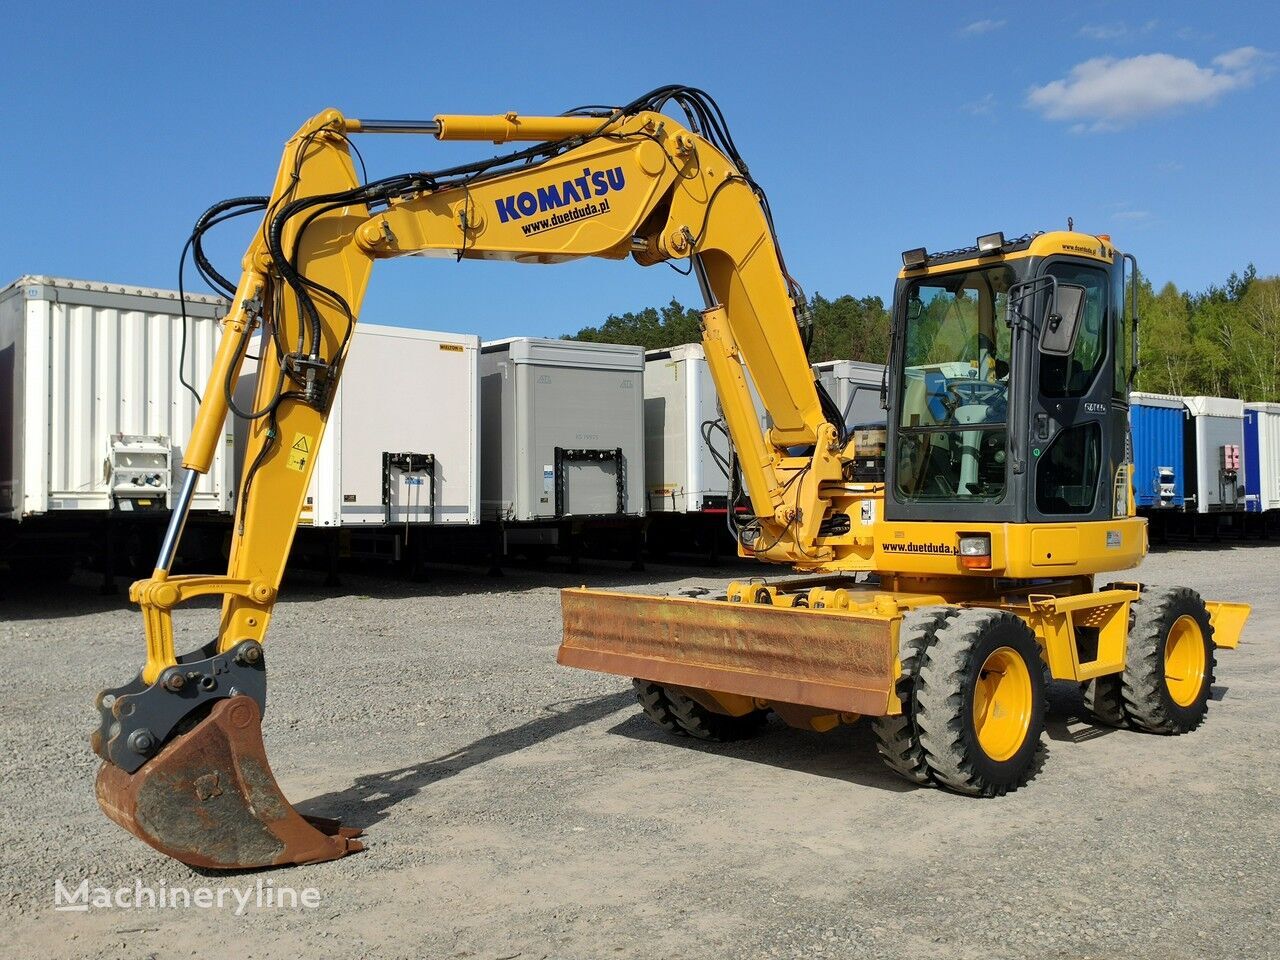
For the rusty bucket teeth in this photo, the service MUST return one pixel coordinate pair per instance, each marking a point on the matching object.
(210, 800)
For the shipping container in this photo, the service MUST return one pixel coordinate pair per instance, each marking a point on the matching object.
(562, 430)
(1262, 457)
(1156, 424)
(855, 387)
(93, 414)
(402, 441)
(685, 454)
(1214, 444)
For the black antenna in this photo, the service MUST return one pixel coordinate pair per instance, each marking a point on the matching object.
(1071, 224)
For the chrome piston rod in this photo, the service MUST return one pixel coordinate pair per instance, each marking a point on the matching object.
(178, 520)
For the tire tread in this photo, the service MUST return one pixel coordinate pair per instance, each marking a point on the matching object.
(941, 695)
(1146, 701)
(898, 736)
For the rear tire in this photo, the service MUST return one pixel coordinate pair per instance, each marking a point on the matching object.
(1169, 661)
(898, 737)
(653, 701)
(980, 702)
(697, 721)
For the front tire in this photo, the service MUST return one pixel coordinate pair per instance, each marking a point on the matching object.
(898, 737)
(980, 702)
(1104, 700)
(1169, 661)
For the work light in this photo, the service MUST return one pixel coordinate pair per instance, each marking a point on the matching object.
(975, 551)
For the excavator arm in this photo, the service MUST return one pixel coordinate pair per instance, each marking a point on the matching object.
(184, 767)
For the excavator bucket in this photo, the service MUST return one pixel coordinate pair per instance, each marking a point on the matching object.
(209, 799)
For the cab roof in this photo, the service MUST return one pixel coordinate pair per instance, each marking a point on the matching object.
(1061, 242)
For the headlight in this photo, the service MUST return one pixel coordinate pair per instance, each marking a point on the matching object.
(975, 551)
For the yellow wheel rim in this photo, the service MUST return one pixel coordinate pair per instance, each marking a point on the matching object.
(1002, 704)
(1184, 661)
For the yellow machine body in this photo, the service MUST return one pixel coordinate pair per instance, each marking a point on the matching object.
(634, 183)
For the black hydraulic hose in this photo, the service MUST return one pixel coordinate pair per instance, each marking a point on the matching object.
(241, 346)
(832, 413)
(206, 221)
(210, 218)
(368, 194)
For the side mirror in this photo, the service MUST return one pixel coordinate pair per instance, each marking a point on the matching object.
(1062, 322)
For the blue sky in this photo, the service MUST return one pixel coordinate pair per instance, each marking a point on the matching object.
(874, 127)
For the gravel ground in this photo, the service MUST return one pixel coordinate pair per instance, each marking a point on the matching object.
(518, 809)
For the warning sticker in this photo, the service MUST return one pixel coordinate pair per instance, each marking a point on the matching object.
(300, 452)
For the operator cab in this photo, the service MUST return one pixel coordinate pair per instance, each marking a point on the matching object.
(1009, 378)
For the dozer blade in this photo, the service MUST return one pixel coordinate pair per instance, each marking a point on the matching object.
(832, 659)
(210, 800)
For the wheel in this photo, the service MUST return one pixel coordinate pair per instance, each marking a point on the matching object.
(1169, 661)
(980, 702)
(898, 737)
(1104, 700)
(656, 706)
(705, 724)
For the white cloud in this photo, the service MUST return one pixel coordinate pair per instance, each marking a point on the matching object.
(979, 27)
(1106, 93)
(1190, 33)
(983, 107)
(1132, 216)
(1103, 31)
(1240, 60)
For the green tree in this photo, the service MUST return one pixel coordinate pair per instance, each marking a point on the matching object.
(652, 328)
(1166, 355)
(849, 328)
(1258, 365)
(1223, 341)
(846, 328)
(1220, 336)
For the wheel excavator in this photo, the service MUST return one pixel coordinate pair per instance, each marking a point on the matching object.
(943, 570)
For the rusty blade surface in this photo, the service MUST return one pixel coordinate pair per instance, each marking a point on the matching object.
(831, 659)
(210, 800)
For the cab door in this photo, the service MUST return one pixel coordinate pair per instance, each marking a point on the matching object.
(1077, 419)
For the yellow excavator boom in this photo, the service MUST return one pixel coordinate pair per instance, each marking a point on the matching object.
(634, 182)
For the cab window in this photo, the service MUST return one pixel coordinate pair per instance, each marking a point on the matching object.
(954, 391)
(1073, 376)
(1120, 340)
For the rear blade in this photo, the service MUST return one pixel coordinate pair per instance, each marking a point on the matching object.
(210, 800)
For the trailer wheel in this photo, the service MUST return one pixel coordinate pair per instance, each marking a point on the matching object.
(1169, 661)
(653, 701)
(1104, 700)
(980, 702)
(898, 737)
(704, 724)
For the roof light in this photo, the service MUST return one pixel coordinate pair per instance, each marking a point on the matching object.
(975, 552)
(915, 257)
(991, 242)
